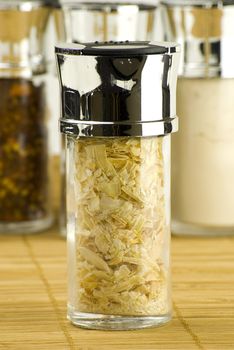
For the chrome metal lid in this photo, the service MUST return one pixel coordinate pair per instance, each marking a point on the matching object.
(118, 88)
(205, 31)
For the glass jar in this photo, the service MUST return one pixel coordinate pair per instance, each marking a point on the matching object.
(24, 158)
(89, 22)
(117, 121)
(202, 152)
(56, 33)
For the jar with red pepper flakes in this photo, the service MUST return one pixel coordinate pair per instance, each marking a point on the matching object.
(24, 152)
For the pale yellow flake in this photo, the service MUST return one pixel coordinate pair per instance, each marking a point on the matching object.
(132, 194)
(102, 161)
(111, 188)
(121, 226)
(94, 259)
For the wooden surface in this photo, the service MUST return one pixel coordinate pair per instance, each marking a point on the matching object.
(33, 298)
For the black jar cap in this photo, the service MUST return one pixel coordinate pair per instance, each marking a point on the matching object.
(117, 48)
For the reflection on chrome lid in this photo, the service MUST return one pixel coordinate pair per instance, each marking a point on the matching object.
(118, 88)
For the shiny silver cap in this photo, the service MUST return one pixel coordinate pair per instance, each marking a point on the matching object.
(205, 31)
(118, 88)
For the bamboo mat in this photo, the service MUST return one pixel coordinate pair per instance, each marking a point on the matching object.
(33, 298)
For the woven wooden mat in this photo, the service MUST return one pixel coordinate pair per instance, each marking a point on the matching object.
(33, 298)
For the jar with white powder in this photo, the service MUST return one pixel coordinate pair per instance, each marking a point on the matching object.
(203, 150)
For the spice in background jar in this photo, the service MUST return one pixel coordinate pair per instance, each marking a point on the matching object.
(23, 151)
(203, 154)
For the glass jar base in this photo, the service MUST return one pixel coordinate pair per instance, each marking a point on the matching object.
(184, 229)
(114, 322)
(26, 227)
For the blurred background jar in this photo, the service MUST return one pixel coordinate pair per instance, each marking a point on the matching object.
(203, 150)
(103, 21)
(24, 113)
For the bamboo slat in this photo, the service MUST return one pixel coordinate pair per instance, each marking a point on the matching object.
(33, 298)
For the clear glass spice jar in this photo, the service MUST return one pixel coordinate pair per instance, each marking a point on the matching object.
(91, 21)
(118, 110)
(202, 153)
(24, 158)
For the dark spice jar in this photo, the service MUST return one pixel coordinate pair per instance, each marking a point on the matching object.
(24, 147)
